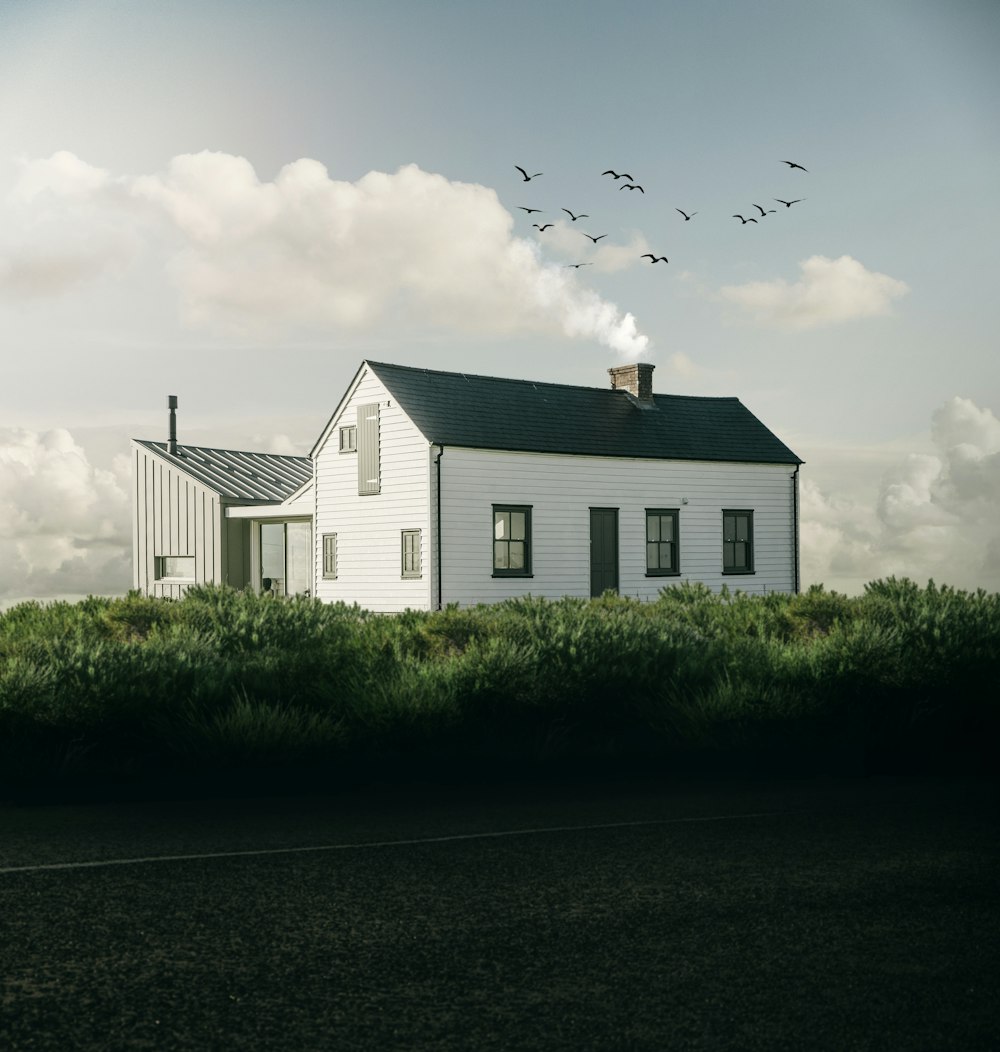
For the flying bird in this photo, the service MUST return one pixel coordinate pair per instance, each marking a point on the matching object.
(763, 211)
(745, 221)
(788, 204)
(632, 186)
(528, 210)
(582, 215)
(542, 229)
(527, 177)
(594, 239)
(578, 264)
(655, 259)
(683, 213)
(792, 164)
(624, 175)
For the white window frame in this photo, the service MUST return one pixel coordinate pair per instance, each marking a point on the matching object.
(415, 569)
(162, 575)
(329, 556)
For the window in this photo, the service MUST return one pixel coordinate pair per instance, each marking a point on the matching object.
(329, 555)
(511, 540)
(175, 567)
(411, 553)
(349, 439)
(737, 542)
(662, 542)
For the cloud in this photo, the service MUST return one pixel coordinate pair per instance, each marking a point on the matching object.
(934, 516)
(63, 174)
(62, 226)
(829, 291)
(389, 250)
(65, 526)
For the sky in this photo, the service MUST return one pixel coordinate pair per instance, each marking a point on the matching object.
(238, 202)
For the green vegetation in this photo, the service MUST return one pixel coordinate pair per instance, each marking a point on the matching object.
(224, 681)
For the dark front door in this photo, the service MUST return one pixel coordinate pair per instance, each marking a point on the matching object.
(603, 550)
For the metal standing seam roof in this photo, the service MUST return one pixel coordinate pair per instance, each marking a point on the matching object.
(487, 412)
(238, 475)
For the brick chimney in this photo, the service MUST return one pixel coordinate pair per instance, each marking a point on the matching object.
(636, 378)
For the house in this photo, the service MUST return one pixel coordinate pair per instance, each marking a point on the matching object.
(186, 527)
(427, 488)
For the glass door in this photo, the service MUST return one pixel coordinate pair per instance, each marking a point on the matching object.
(298, 558)
(272, 558)
(285, 558)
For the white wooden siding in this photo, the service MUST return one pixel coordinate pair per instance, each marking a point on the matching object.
(369, 528)
(562, 489)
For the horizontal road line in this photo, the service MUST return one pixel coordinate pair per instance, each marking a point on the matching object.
(362, 845)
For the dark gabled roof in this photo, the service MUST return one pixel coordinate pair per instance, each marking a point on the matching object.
(237, 475)
(487, 412)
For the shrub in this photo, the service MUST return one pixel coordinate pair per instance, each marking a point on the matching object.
(224, 678)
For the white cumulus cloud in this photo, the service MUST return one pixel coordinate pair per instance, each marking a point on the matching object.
(829, 291)
(935, 515)
(65, 525)
(388, 250)
(61, 225)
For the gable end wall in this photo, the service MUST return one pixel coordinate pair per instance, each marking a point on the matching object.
(173, 515)
(369, 528)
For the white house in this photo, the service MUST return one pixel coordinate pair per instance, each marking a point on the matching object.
(428, 488)
(186, 527)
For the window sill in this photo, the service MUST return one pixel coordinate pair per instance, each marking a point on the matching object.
(505, 576)
(738, 573)
(663, 573)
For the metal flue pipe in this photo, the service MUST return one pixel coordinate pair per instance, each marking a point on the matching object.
(172, 440)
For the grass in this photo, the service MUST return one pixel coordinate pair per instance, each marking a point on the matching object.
(225, 681)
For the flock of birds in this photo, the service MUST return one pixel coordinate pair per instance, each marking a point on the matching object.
(632, 185)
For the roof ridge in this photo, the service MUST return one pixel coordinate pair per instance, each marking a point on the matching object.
(539, 383)
(222, 449)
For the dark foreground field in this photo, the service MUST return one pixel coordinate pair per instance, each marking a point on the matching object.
(803, 914)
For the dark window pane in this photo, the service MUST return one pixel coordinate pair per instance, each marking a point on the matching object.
(500, 555)
(517, 555)
(652, 556)
(501, 525)
(652, 527)
(742, 528)
(517, 526)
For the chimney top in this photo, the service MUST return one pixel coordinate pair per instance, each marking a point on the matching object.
(636, 378)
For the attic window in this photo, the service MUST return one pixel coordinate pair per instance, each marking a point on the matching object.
(349, 439)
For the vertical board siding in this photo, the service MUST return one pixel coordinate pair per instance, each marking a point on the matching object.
(367, 451)
(174, 515)
(369, 527)
(561, 491)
